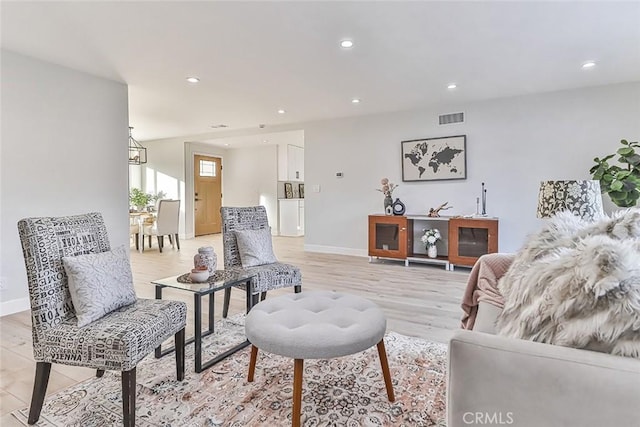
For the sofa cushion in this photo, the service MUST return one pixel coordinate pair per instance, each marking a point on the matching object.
(577, 284)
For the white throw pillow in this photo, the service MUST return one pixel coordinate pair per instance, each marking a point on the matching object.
(99, 283)
(255, 247)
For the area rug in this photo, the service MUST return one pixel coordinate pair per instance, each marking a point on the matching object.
(347, 391)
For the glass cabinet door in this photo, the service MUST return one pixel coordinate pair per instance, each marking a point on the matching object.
(470, 238)
(473, 242)
(387, 237)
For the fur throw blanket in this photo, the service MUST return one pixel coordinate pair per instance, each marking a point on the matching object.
(577, 284)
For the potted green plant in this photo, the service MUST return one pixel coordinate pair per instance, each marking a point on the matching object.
(622, 183)
(139, 199)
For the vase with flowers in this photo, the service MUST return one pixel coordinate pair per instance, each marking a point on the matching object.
(429, 238)
(387, 189)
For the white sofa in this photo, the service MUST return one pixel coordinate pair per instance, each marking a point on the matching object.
(498, 381)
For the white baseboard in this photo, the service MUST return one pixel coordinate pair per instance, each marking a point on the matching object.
(336, 250)
(14, 306)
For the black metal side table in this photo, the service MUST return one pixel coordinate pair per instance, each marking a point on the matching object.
(220, 280)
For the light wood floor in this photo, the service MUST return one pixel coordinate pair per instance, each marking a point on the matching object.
(419, 300)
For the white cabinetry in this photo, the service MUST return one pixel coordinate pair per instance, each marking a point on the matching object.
(291, 217)
(295, 163)
(290, 163)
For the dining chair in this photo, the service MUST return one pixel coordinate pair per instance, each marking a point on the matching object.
(266, 276)
(166, 224)
(134, 230)
(116, 341)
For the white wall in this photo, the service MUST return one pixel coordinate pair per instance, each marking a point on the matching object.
(164, 171)
(250, 179)
(249, 175)
(512, 144)
(64, 152)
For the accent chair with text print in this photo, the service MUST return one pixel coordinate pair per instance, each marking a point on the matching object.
(246, 240)
(116, 340)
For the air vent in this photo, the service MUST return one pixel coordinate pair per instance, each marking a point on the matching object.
(447, 119)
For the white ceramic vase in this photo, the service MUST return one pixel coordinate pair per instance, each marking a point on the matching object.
(206, 257)
(432, 251)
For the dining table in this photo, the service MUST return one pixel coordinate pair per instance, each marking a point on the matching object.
(142, 219)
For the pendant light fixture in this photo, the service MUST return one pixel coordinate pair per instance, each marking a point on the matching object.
(137, 153)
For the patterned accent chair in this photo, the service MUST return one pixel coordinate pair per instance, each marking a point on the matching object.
(117, 341)
(266, 277)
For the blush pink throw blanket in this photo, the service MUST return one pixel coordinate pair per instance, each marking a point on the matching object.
(483, 285)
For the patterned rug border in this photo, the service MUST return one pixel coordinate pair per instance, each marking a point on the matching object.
(347, 391)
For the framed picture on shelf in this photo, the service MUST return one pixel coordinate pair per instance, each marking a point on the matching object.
(288, 190)
(301, 190)
(433, 159)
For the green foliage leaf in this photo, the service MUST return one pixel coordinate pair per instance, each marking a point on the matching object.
(625, 151)
(633, 160)
(616, 186)
(621, 181)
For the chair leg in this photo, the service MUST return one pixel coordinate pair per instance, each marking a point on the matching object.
(225, 306)
(129, 398)
(263, 296)
(297, 289)
(382, 353)
(99, 373)
(179, 343)
(177, 241)
(149, 241)
(160, 243)
(170, 240)
(43, 370)
(297, 392)
(138, 241)
(252, 363)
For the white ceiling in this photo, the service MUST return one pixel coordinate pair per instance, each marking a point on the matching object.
(256, 57)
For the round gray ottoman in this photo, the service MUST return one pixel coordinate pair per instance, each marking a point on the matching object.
(316, 325)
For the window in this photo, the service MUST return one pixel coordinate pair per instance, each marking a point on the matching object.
(207, 168)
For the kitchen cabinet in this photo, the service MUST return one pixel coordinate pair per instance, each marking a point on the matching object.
(290, 163)
(291, 217)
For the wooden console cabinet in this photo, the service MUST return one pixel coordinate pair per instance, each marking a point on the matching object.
(464, 240)
(470, 238)
(389, 236)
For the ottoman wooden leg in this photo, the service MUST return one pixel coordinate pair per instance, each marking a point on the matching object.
(382, 353)
(252, 362)
(297, 392)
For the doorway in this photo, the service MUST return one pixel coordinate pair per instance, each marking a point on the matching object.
(207, 187)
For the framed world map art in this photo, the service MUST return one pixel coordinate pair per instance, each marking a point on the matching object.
(433, 159)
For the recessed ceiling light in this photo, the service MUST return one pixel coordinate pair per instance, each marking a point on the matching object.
(264, 141)
(193, 79)
(226, 145)
(281, 111)
(218, 126)
(355, 101)
(452, 86)
(346, 44)
(589, 64)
